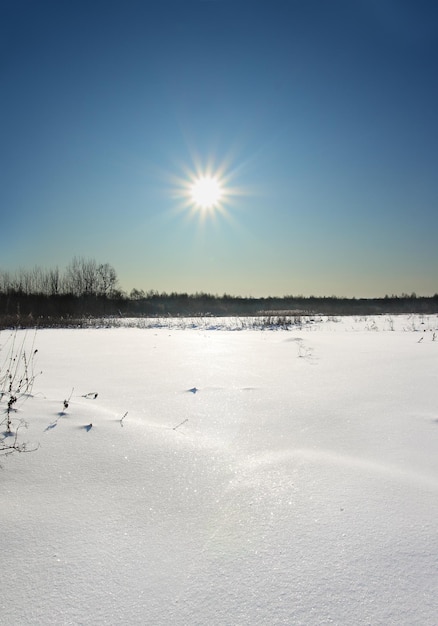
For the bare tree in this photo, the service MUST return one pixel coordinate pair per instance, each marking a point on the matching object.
(74, 279)
(5, 282)
(54, 281)
(86, 277)
(107, 279)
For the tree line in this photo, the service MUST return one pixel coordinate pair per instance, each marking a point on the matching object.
(82, 277)
(88, 289)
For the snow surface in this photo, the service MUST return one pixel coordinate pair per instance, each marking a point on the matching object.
(226, 478)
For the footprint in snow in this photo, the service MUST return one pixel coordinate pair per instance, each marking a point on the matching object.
(86, 427)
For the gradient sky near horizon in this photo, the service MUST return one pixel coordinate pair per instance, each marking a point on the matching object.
(320, 117)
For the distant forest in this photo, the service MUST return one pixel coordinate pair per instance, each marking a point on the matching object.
(87, 289)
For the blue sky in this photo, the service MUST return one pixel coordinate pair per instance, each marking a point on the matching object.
(319, 116)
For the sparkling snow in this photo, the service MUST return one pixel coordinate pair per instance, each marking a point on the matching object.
(226, 478)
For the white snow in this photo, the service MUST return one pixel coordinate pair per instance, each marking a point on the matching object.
(258, 477)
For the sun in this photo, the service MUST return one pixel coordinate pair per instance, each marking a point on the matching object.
(206, 192)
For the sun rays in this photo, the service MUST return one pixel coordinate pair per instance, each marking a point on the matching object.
(208, 189)
(205, 192)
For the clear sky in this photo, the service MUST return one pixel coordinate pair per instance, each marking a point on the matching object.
(319, 118)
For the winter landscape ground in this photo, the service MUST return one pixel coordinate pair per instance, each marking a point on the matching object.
(224, 476)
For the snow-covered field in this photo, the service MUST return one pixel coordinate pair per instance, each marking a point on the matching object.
(226, 478)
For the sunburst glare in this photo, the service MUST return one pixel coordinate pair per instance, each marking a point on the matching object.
(206, 192)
